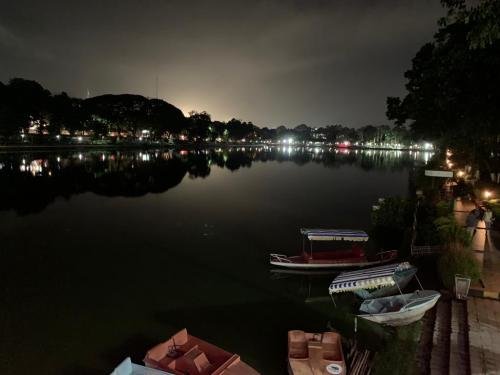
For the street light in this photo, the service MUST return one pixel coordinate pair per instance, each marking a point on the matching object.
(487, 194)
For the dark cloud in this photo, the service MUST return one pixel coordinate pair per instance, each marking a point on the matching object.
(272, 62)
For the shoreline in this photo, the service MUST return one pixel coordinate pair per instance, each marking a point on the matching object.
(49, 147)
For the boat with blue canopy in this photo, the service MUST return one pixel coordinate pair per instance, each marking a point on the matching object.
(350, 254)
(377, 281)
(394, 310)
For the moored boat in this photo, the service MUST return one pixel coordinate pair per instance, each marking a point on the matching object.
(127, 367)
(400, 309)
(184, 354)
(395, 310)
(352, 256)
(386, 280)
(315, 353)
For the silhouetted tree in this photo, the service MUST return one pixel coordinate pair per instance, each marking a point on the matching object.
(24, 103)
(198, 124)
(454, 86)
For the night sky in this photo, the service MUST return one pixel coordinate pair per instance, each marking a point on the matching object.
(275, 63)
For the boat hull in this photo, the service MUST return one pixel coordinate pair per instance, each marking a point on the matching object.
(406, 315)
(299, 263)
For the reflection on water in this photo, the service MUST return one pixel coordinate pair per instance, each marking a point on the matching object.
(133, 174)
(104, 254)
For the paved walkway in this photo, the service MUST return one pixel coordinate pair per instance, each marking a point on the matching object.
(484, 335)
(483, 314)
(485, 252)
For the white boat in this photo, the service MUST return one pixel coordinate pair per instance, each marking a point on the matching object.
(127, 367)
(352, 256)
(400, 309)
(393, 310)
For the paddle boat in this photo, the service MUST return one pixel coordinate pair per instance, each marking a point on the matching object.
(315, 353)
(396, 310)
(401, 273)
(184, 354)
(351, 257)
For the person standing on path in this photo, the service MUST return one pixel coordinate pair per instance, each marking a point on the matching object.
(488, 217)
(471, 222)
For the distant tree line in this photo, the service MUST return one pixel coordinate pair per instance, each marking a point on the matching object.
(26, 107)
(30, 113)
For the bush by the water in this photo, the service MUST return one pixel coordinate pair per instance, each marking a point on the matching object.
(444, 208)
(457, 262)
(397, 357)
(452, 235)
(391, 221)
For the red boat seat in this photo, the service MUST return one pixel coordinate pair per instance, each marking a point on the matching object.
(297, 344)
(332, 346)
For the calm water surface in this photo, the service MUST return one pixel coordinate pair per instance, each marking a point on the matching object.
(104, 254)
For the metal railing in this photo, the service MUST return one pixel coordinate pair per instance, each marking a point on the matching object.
(279, 258)
(419, 250)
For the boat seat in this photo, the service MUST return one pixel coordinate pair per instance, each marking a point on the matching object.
(331, 346)
(297, 344)
(393, 308)
(160, 351)
(194, 362)
(181, 337)
(372, 307)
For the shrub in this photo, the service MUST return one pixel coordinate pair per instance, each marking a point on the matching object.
(397, 357)
(427, 233)
(457, 261)
(452, 235)
(444, 208)
(391, 221)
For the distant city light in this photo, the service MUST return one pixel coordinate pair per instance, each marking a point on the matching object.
(80, 139)
(428, 146)
(460, 173)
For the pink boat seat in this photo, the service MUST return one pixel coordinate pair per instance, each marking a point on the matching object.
(194, 362)
(331, 346)
(297, 344)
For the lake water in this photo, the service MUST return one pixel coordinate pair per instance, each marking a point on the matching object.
(105, 253)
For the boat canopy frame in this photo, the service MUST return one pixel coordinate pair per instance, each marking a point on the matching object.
(369, 279)
(313, 235)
